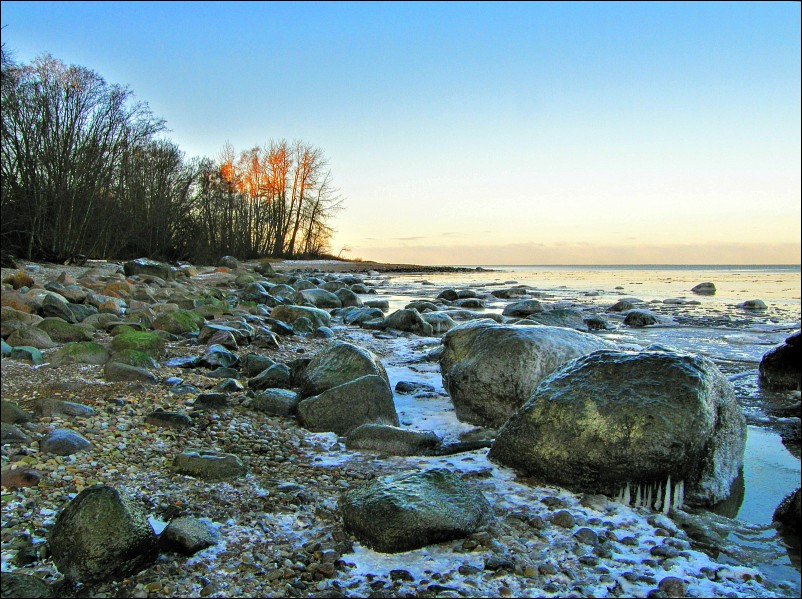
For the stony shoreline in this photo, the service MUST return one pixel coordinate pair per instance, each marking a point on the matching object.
(280, 531)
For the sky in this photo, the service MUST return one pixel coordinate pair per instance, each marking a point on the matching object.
(483, 133)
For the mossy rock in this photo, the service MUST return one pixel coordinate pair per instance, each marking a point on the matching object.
(82, 352)
(179, 322)
(64, 332)
(150, 343)
(133, 357)
(211, 307)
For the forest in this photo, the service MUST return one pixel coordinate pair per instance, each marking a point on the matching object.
(88, 172)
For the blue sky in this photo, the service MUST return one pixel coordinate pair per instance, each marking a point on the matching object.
(484, 132)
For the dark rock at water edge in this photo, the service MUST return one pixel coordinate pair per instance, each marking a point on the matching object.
(789, 512)
(16, 584)
(337, 364)
(102, 535)
(410, 510)
(781, 367)
(393, 440)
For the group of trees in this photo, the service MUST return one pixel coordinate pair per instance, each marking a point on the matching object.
(86, 171)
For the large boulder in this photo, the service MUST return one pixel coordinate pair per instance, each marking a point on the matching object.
(337, 364)
(704, 289)
(102, 535)
(523, 308)
(414, 509)
(490, 370)
(320, 298)
(614, 420)
(345, 407)
(289, 314)
(781, 367)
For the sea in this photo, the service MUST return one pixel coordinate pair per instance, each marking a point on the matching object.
(716, 326)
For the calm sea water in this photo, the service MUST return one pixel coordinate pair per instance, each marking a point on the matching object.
(714, 326)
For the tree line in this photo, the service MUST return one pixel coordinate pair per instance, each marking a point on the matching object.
(87, 172)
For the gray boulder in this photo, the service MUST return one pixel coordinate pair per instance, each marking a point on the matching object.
(622, 305)
(754, 305)
(348, 298)
(19, 586)
(276, 402)
(640, 318)
(102, 535)
(523, 308)
(276, 376)
(439, 321)
(781, 367)
(145, 266)
(612, 420)
(289, 314)
(49, 406)
(490, 370)
(393, 440)
(337, 364)
(187, 535)
(320, 298)
(343, 408)
(63, 441)
(209, 465)
(560, 317)
(411, 510)
(410, 321)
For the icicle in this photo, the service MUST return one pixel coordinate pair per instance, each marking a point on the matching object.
(626, 495)
(667, 500)
(658, 503)
(679, 495)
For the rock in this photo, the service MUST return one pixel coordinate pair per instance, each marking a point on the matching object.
(10, 434)
(302, 325)
(357, 316)
(252, 364)
(439, 321)
(58, 308)
(754, 305)
(641, 318)
(448, 295)
(30, 337)
(290, 314)
(187, 535)
(595, 322)
(382, 305)
(209, 465)
(523, 308)
(144, 341)
(563, 519)
(410, 321)
(560, 317)
(27, 353)
(621, 306)
(162, 418)
(12, 413)
(410, 510)
(704, 289)
(211, 401)
(63, 441)
(12, 319)
(48, 406)
(509, 293)
(490, 370)
(5, 348)
(587, 536)
(320, 298)
(114, 371)
(276, 376)
(671, 586)
(19, 585)
(348, 298)
(179, 322)
(392, 440)
(102, 535)
(789, 512)
(613, 419)
(133, 357)
(83, 352)
(144, 266)
(322, 333)
(217, 356)
(337, 364)
(17, 478)
(19, 279)
(276, 402)
(413, 387)
(64, 332)
(781, 367)
(341, 409)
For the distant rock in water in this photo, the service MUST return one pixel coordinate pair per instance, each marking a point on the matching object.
(755, 304)
(614, 420)
(704, 289)
(781, 367)
(640, 318)
(414, 509)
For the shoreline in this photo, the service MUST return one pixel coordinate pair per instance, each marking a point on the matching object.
(290, 494)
